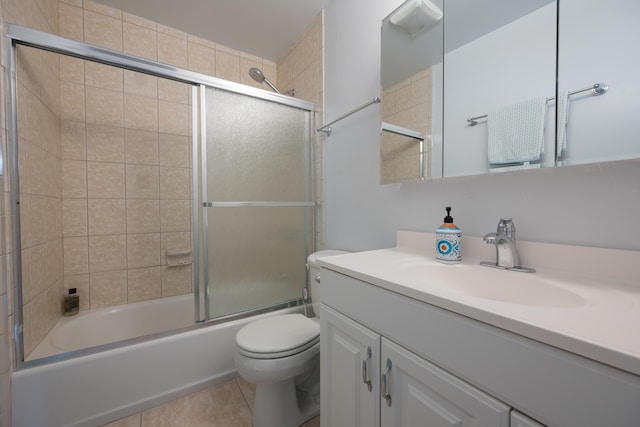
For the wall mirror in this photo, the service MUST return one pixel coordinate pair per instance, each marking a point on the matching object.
(489, 61)
(597, 47)
(499, 85)
(411, 92)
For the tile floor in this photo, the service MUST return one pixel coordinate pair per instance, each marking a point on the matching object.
(226, 405)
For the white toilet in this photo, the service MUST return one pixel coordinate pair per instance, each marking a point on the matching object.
(281, 355)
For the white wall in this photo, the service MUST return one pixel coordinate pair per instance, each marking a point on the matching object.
(594, 205)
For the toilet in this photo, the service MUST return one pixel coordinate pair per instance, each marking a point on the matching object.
(281, 356)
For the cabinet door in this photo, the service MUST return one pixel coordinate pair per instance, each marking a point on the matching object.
(421, 394)
(521, 420)
(349, 369)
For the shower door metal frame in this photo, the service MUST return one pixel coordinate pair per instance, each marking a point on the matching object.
(16, 35)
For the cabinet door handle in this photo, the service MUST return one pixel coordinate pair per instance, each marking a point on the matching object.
(365, 370)
(385, 376)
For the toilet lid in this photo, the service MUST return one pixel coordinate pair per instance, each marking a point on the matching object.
(278, 334)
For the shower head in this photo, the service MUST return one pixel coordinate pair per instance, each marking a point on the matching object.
(257, 75)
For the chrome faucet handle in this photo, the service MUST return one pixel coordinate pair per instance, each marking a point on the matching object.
(490, 238)
(507, 227)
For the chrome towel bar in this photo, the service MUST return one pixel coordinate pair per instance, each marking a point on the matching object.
(596, 89)
(327, 128)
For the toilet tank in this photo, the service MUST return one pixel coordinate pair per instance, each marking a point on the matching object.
(314, 275)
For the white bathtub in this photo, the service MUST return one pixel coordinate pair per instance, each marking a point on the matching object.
(112, 324)
(98, 388)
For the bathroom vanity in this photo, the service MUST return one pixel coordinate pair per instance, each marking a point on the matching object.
(408, 341)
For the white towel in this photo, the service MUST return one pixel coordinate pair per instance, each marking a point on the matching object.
(562, 106)
(516, 132)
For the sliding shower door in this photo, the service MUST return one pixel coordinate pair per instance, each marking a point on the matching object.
(257, 202)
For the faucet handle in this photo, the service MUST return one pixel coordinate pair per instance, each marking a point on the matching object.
(507, 228)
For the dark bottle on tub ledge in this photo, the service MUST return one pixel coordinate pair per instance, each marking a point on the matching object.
(71, 303)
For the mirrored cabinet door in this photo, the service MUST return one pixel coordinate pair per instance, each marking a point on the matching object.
(491, 86)
(499, 66)
(411, 87)
(599, 44)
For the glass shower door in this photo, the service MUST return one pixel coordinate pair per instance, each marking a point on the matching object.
(257, 202)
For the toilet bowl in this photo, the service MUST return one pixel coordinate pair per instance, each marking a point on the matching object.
(281, 356)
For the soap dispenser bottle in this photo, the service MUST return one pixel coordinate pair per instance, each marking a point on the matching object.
(448, 241)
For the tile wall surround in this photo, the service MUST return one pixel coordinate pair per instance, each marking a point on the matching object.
(104, 196)
(42, 191)
(125, 160)
(301, 68)
(6, 359)
(406, 104)
(126, 180)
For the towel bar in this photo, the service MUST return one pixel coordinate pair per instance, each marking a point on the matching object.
(596, 89)
(327, 128)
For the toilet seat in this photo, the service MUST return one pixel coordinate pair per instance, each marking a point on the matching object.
(277, 336)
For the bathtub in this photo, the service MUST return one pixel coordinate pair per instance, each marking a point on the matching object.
(100, 387)
(111, 324)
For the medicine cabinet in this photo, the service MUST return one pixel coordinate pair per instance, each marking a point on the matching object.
(448, 69)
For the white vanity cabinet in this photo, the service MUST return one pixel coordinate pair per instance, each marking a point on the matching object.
(367, 380)
(419, 393)
(349, 366)
(448, 369)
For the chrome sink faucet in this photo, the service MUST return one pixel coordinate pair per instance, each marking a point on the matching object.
(504, 239)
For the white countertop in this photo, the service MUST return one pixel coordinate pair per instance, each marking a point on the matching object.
(590, 308)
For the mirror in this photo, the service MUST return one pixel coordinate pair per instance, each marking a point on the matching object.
(500, 55)
(598, 44)
(500, 69)
(411, 92)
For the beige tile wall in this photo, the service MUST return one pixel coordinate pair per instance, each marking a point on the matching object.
(40, 192)
(301, 69)
(80, 130)
(126, 155)
(117, 184)
(6, 359)
(406, 104)
(111, 199)
(38, 87)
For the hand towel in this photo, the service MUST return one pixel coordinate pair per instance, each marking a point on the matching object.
(562, 106)
(516, 132)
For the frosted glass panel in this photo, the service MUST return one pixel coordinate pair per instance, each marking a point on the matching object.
(256, 257)
(256, 151)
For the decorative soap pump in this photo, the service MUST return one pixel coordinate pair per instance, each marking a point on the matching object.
(448, 241)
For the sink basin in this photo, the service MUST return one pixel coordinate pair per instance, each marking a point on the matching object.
(478, 281)
(522, 290)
